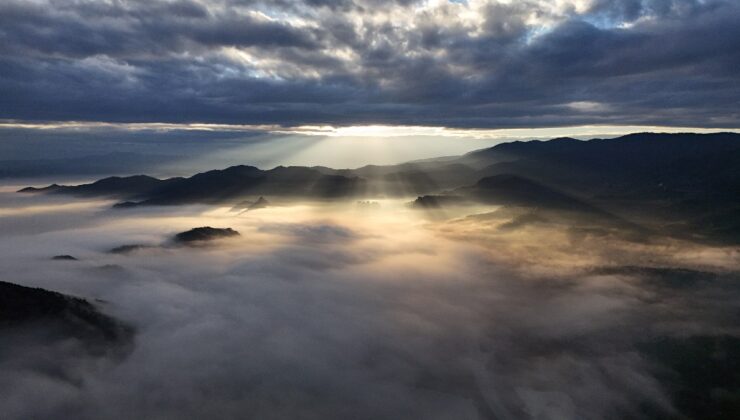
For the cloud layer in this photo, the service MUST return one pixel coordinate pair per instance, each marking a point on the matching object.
(332, 312)
(441, 63)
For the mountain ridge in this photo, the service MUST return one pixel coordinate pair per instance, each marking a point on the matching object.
(691, 179)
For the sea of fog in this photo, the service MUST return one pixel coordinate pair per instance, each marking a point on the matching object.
(337, 311)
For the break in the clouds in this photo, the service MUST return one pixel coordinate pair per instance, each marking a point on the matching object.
(440, 63)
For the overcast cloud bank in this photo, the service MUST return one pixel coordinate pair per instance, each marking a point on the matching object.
(466, 63)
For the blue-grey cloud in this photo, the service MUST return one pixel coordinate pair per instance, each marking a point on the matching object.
(465, 64)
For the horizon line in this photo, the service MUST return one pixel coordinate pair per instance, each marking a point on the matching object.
(374, 130)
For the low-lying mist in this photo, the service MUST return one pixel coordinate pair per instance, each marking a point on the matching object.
(333, 311)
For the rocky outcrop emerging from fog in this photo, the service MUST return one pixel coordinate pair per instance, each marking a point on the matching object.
(60, 317)
(203, 234)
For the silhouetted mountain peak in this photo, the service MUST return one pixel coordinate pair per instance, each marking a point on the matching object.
(259, 204)
(50, 188)
(202, 234)
(240, 169)
(128, 249)
(128, 183)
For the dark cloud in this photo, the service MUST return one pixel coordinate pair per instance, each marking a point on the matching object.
(659, 62)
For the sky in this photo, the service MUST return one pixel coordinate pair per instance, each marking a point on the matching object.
(433, 63)
(337, 310)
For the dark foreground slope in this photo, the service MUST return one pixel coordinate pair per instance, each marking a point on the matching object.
(54, 316)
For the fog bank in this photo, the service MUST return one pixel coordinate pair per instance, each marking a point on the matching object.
(335, 311)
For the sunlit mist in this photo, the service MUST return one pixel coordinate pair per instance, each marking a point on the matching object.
(370, 209)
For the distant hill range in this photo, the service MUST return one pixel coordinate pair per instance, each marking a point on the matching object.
(690, 180)
(216, 186)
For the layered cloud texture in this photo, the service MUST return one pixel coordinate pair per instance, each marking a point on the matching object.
(437, 63)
